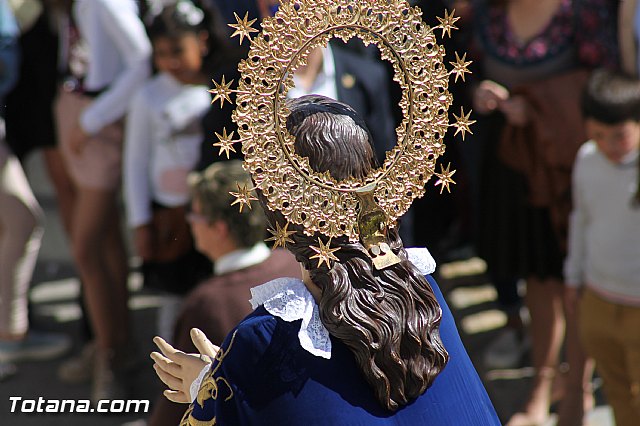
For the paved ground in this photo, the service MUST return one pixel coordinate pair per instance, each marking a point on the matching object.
(54, 307)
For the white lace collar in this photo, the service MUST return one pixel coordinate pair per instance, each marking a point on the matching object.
(289, 299)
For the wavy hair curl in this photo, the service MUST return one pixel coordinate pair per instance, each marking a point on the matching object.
(388, 318)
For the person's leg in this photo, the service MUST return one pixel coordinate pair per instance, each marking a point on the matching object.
(507, 349)
(96, 245)
(631, 344)
(93, 254)
(66, 109)
(508, 298)
(62, 184)
(116, 260)
(578, 395)
(600, 330)
(544, 301)
(20, 237)
(104, 288)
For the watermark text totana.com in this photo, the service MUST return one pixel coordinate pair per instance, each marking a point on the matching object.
(42, 405)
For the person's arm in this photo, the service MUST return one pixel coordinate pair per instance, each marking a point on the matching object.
(627, 17)
(137, 174)
(574, 263)
(122, 25)
(234, 373)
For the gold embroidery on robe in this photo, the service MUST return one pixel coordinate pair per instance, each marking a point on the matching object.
(209, 389)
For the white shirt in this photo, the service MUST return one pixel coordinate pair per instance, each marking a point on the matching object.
(162, 144)
(325, 82)
(604, 231)
(241, 258)
(119, 57)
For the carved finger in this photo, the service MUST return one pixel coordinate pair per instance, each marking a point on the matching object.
(203, 344)
(169, 351)
(173, 382)
(176, 396)
(166, 364)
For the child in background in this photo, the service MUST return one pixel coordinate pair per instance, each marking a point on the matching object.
(602, 270)
(162, 145)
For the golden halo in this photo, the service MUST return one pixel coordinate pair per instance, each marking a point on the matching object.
(316, 200)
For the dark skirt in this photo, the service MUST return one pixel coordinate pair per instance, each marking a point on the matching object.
(29, 106)
(178, 276)
(177, 266)
(516, 239)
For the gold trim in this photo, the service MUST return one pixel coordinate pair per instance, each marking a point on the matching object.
(445, 178)
(280, 236)
(243, 27)
(324, 253)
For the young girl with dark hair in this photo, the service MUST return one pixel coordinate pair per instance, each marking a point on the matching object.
(350, 343)
(162, 145)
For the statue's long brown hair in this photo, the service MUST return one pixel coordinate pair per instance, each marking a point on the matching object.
(388, 318)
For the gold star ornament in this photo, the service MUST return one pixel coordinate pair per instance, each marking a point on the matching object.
(243, 197)
(225, 142)
(280, 236)
(221, 91)
(243, 28)
(324, 253)
(445, 178)
(460, 66)
(446, 23)
(463, 123)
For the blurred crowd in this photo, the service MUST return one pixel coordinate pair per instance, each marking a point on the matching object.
(114, 93)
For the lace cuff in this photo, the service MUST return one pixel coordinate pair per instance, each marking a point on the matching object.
(195, 386)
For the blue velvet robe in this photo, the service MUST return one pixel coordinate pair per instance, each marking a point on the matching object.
(263, 377)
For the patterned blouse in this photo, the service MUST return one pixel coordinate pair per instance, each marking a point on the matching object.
(586, 26)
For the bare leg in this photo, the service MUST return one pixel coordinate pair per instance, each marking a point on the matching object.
(64, 188)
(20, 237)
(544, 301)
(66, 197)
(104, 287)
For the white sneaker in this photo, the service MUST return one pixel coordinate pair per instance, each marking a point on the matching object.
(506, 350)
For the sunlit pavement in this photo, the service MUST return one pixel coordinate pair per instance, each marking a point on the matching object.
(54, 299)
